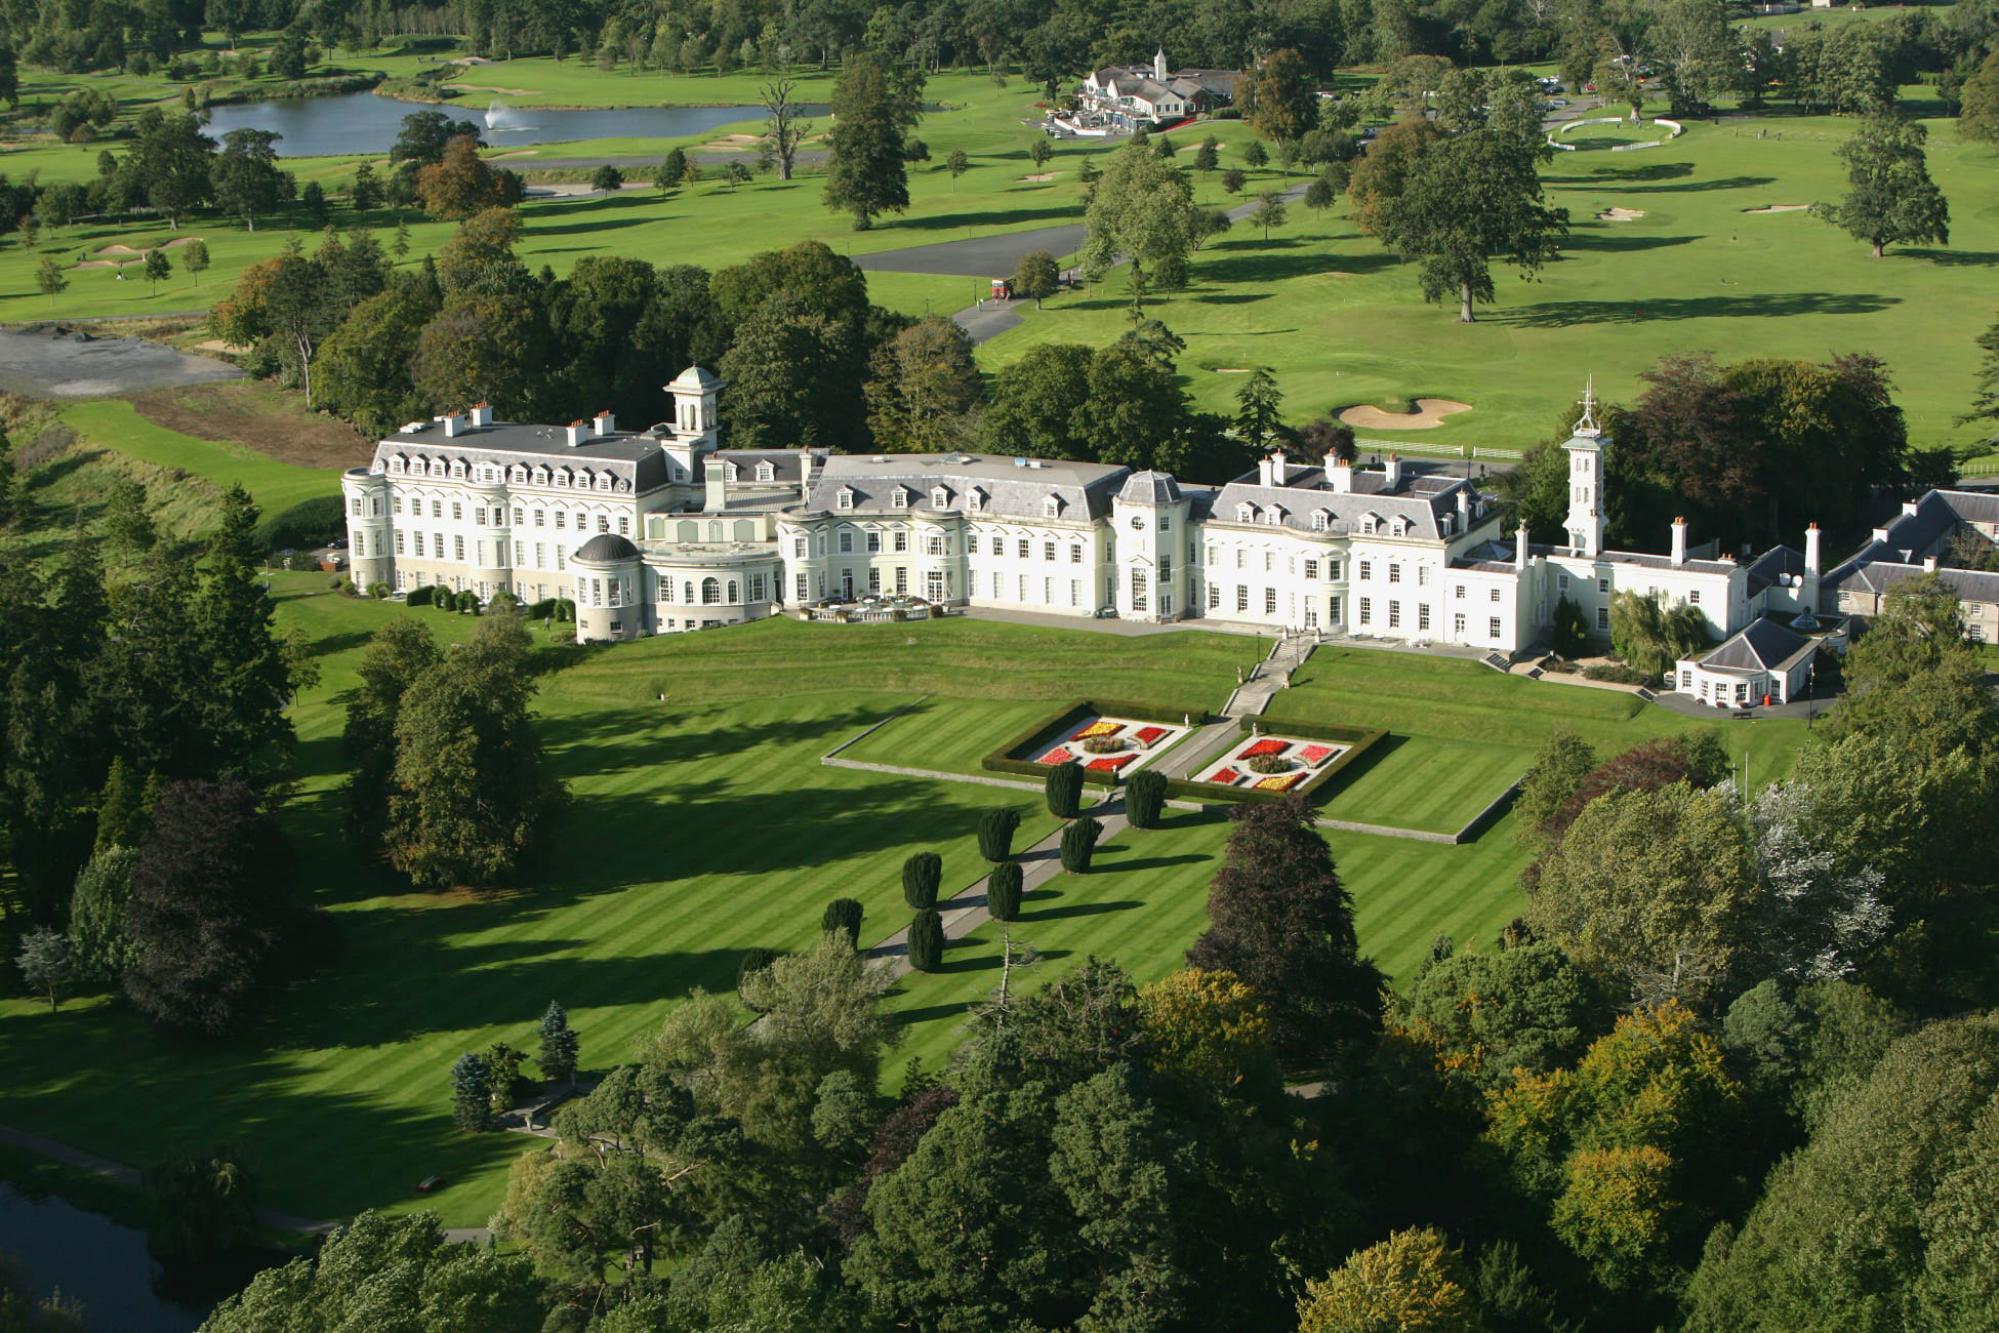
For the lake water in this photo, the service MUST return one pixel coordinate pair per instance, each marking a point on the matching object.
(365, 123)
(107, 1267)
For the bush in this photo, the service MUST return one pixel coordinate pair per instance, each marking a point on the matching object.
(1618, 673)
(843, 915)
(1101, 744)
(922, 873)
(1064, 786)
(1003, 891)
(1079, 844)
(420, 595)
(607, 177)
(466, 602)
(379, 591)
(543, 609)
(565, 611)
(1269, 763)
(1145, 798)
(926, 940)
(754, 961)
(996, 830)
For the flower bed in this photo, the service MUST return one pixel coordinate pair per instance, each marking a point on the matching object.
(1086, 729)
(1058, 755)
(1098, 728)
(1269, 763)
(1151, 736)
(1110, 763)
(1284, 783)
(1314, 755)
(1225, 777)
(1267, 748)
(1102, 744)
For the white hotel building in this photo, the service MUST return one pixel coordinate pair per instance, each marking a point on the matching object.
(662, 530)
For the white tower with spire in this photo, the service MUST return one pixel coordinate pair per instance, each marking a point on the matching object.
(1159, 64)
(1585, 448)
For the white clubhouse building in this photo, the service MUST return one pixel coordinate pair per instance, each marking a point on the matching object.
(662, 530)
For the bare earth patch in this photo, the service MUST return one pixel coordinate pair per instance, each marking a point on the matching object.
(254, 416)
(220, 345)
(1779, 208)
(1429, 412)
(1042, 176)
(1620, 215)
(120, 248)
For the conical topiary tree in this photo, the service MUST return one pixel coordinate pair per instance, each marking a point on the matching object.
(921, 874)
(1065, 789)
(996, 829)
(1079, 844)
(471, 1099)
(843, 915)
(558, 1045)
(926, 940)
(1145, 798)
(1003, 891)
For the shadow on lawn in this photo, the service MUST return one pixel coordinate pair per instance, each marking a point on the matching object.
(1266, 267)
(1767, 305)
(1608, 175)
(1621, 241)
(998, 217)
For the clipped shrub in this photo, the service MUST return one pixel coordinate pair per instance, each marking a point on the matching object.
(379, 591)
(926, 940)
(467, 602)
(843, 915)
(543, 609)
(1003, 891)
(1145, 798)
(754, 961)
(420, 596)
(444, 599)
(922, 873)
(996, 830)
(1064, 785)
(1079, 844)
(565, 610)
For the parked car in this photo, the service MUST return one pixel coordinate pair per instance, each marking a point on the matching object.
(337, 544)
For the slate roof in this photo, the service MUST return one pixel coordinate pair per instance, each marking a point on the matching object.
(1150, 488)
(785, 464)
(1775, 565)
(635, 459)
(1761, 645)
(1937, 513)
(1421, 499)
(606, 548)
(1878, 576)
(1009, 489)
(1646, 560)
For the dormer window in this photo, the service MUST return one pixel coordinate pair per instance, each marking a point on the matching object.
(1245, 513)
(975, 501)
(765, 472)
(1051, 507)
(1368, 523)
(898, 498)
(458, 468)
(845, 498)
(398, 466)
(603, 481)
(730, 471)
(437, 468)
(940, 498)
(1402, 527)
(562, 477)
(623, 486)
(1321, 520)
(541, 476)
(1274, 516)
(517, 474)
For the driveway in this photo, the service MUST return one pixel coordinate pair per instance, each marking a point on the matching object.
(980, 257)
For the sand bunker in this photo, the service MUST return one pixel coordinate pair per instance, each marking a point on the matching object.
(1429, 412)
(222, 345)
(117, 248)
(1232, 370)
(98, 263)
(1780, 208)
(1620, 215)
(489, 88)
(1043, 176)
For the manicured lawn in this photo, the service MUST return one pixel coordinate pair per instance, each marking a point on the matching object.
(275, 486)
(1460, 731)
(1407, 893)
(701, 827)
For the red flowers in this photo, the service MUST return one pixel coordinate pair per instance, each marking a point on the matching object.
(1110, 763)
(1151, 736)
(1267, 748)
(1227, 777)
(1318, 754)
(1058, 755)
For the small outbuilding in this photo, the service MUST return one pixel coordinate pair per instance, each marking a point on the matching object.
(1764, 662)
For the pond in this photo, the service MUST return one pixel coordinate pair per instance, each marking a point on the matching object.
(107, 1267)
(365, 123)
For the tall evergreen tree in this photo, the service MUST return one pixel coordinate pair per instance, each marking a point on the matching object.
(874, 105)
(558, 1045)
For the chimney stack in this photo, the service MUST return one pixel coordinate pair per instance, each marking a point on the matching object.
(453, 423)
(1280, 470)
(1929, 564)
(482, 414)
(1464, 505)
(604, 423)
(1909, 508)
(1339, 475)
(804, 474)
(1679, 541)
(576, 431)
(1812, 549)
(1391, 473)
(1264, 467)
(1520, 548)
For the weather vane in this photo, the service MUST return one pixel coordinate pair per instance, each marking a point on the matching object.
(1586, 424)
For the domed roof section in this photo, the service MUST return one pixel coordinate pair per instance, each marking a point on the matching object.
(606, 548)
(696, 377)
(1150, 488)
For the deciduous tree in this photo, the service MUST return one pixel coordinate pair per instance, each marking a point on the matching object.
(1142, 211)
(875, 105)
(247, 180)
(1890, 198)
(1412, 1281)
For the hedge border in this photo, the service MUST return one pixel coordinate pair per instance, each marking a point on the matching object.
(1006, 759)
(1358, 741)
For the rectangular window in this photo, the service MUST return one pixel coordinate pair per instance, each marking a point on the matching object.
(603, 523)
(1561, 582)
(1422, 576)
(1492, 629)
(1139, 599)
(1075, 592)
(1270, 601)
(902, 541)
(399, 542)
(1494, 596)
(1333, 571)
(1395, 615)
(1603, 585)
(874, 543)
(1394, 573)
(999, 588)
(520, 553)
(1023, 548)
(1075, 553)
(540, 517)
(457, 512)
(1048, 592)
(624, 525)
(395, 504)
(1048, 550)
(1336, 611)
(1020, 587)
(354, 506)
(901, 579)
(1214, 598)
(437, 509)
(933, 544)
(457, 548)
(517, 517)
(846, 542)
(756, 587)
(1367, 610)
(1366, 570)
(874, 579)
(1165, 568)
(1602, 617)
(1458, 626)
(1694, 597)
(561, 518)
(540, 559)
(1423, 617)
(561, 557)
(1311, 569)
(1241, 599)
(800, 588)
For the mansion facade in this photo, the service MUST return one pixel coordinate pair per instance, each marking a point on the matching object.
(663, 530)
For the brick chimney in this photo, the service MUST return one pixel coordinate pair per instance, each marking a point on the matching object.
(603, 423)
(1679, 541)
(577, 431)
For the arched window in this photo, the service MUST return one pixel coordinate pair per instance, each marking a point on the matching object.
(711, 592)
(689, 530)
(745, 531)
(687, 593)
(733, 599)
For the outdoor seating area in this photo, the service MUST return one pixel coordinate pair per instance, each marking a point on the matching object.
(1270, 763)
(874, 610)
(1109, 745)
